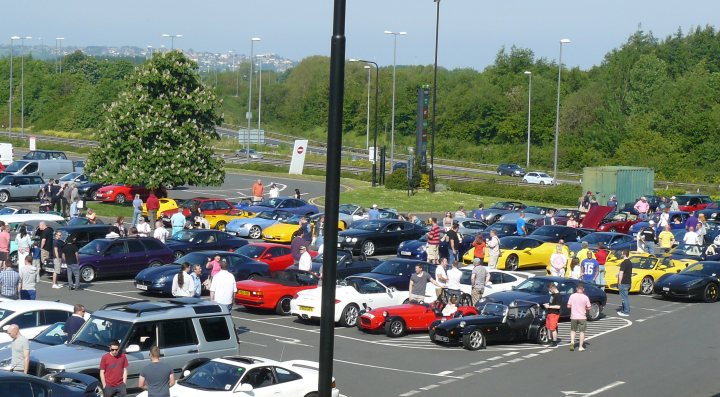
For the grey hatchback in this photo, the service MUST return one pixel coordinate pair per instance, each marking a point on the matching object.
(14, 186)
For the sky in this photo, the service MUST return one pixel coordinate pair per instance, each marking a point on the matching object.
(471, 31)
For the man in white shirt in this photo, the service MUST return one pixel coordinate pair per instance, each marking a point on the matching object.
(223, 287)
(453, 280)
(305, 261)
(160, 232)
(143, 227)
(691, 237)
(441, 276)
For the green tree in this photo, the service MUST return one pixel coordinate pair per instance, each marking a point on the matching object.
(158, 131)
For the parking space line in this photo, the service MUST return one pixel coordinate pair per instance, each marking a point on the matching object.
(444, 373)
(480, 371)
(510, 354)
(446, 381)
(495, 358)
(394, 369)
(498, 365)
(112, 294)
(429, 387)
(531, 355)
(478, 362)
(410, 393)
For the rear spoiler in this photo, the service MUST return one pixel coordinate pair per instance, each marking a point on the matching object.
(76, 379)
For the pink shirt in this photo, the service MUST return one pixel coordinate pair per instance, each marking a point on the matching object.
(214, 267)
(4, 242)
(578, 304)
(642, 207)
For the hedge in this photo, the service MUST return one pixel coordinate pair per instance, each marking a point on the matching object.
(560, 194)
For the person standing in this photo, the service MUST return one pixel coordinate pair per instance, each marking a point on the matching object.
(418, 284)
(520, 225)
(319, 231)
(160, 232)
(479, 248)
(20, 348)
(453, 244)
(664, 218)
(214, 265)
(23, 242)
(447, 221)
(71, 257)
(648, 234)
(493, 244)
(142, 227)
(454, 275)
(601, 256)
(305, 261)
(642, 207)
(553, 313)
(374, 213)
(9, 283)
(182, 284)
(197, 281)
(460, 213)
(67, 198)
(558, 262)
(478, 279)
(674, 204)
(29, 277)
(74, 322)
(74, 210)
(441, 276)
(572, 222)
(578, 304)
(257, 191)
(120, 224)
(223, 287)
(624, 281)
(4, 244)
(433, 242)
(177, 221)
(46, 248)
(137, 204)
(274, 191)
(612, 202)
(575, 269)
(295, 244)
(157, 377)
(666, 239)
(478, 213)
(57, 248)
(113, 371)
(307, 230)
(549, 218)
(56, 197)
(690, 237)
(589, 267)
(153, 205)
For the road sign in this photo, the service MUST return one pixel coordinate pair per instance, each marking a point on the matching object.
(298, 156)
(300, 150)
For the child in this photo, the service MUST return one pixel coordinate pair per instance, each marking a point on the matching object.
(451, 307)
(35, 249)
(575, 271)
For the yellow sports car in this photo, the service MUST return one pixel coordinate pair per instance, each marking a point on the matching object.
(168, 207)
(524, 252)
(646, 269)
(282, 232)
(220, 221)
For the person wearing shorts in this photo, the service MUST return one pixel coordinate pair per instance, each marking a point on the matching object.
(553, 313)
(578, 305)
(433, 244)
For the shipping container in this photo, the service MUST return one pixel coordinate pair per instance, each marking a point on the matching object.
(627, 183)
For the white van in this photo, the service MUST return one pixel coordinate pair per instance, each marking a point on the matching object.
(6, 153)
(45, 168)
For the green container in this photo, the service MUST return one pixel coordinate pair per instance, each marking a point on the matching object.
(627, 183)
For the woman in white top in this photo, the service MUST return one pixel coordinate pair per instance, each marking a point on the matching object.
(183, 285)
(451, 307)
(305, 262)
(274, 191)
(143, 227)
(447, 221)
(23, 241)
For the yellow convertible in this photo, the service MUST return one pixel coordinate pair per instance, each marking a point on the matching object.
(520, 252)
(645, 270)
(282, 232)
(168, 207)
(220, 221)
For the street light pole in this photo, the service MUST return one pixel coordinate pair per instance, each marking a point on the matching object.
(248, 116)
(12, 40)
(375, 134)
(22, 84)
(259, 90)
(150, 51)
(172, 39)
(367, 124)
(529, 73)
(434, 110)
(392, 120)
(58, 43)
(557, 111)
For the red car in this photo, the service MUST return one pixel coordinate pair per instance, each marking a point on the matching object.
(122, 194)
(211, 206)
(274, 293)
(397, 320)
(602, 219)
(693, 202)
(277, 256)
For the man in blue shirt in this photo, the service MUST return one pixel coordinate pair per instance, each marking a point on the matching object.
(374, 214)
(589, 268)
(177, 221)
(195, 274)
(478, 213)
(520, 223)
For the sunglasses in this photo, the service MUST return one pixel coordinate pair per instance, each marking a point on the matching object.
(113, 350)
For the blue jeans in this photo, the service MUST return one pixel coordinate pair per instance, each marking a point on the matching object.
(28, 294)
(73, 275)
(624, 290)
(136, 216)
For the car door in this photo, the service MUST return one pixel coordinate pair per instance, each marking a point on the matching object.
(49, 317)
(208, 207)
(222, 207)
(29, 323)
(137, 257)
(277, 258)
(392, 235)
(178, 342)
(114, 260)
(263, 382)
(22, 187)
(144, 336)
(378, 295)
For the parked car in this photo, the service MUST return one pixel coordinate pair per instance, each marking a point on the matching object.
(518, 252)
(495, 211)
(53, 335)
(158, 280)
(32, 316)
(698, 281)
(89, 189)
(83, 234)
(274, 292)
(45, 155)
(121, 194)
(603, 219)
(555, 233)
(693, 202)
(17, 187)
(370, 237)
(284, 231)
(539, 178)
(396, 321)
(611, 241)
(297, 207)
(503, 229)
(350, 213)
(471, 226)
(210, 206)
(510, 169)
(277, 256)
(396, 272)
(14, 210)
(253, 226)
(76, 177)
(43, 168)
(563, 214)
(677, 221)
(123, 256)
(346, 265)
(645, 270)
(533, 214)
(252, 153)
(190, 240)
(66, 384)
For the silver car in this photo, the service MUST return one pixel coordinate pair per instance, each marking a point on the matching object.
(20, 186)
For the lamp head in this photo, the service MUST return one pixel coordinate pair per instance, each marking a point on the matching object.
(565, 41)
(255, 39)
(528, 72)
(388, 32)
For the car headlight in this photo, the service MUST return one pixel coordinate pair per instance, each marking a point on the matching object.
(354, 240)
(385, 314)
(462, 324)
(109, 192)
(401, 245)
(162, 280)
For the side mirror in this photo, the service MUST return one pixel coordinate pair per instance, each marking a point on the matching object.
(513, 287)
(186, 373)
(245, 387)
(5, 328)
(392, 289)
(132, 349)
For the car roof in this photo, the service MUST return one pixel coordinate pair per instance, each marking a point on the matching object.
(145, 310)
(268, 245)
(71, 228)
(23, 305)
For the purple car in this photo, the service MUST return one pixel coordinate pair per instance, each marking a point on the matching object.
(289, 204)
(119, 257)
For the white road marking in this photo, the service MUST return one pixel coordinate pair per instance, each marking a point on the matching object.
(480, 371)
(510, 354)
(291, 341)
(594, 392)
(545, 351)
(410, 393)
(443, 373)
(394, 369)
(495, 358)
(112, 294)
(516, 360)
(531, 355)
(498, 365)
(478, 362)
(428, 387)
(446, 381)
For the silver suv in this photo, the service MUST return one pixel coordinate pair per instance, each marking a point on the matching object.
(188, 331)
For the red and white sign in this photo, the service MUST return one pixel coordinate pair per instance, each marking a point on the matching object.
(298, 156)
(300, 150)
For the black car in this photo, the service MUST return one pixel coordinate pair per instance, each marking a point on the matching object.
(63, 384)
(190, 240)
(396, 272)
(87, 190)
(503, 229)
(158, 279)
(553, 233)
(83, 234)
(701, 281)
(519, 321)
(369, 237)
(346, 264)
(510, 169)
(535, 289)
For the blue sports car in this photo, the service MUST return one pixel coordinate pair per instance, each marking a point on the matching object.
(253, 227)
(677, 221)
(416, 249)
(63, 384)
(535, 289)
(396, 272)
(159, 279)
(190, 240)
(289, 204)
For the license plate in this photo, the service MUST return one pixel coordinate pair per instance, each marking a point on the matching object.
(268, 236)
(49, 269)
(142, 287)
(442, 338)
(666, 288)
(306, 308)
(243, 292)
(405, 253)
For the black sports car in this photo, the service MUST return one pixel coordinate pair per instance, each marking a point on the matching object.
(64, 384)
(535, 289)
(346, 264)
(369, 237)
(701, 280)
(191, 240)
(88, 189)
(519, 321)
(553, 233)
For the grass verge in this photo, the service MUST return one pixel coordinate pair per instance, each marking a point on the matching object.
(110, 210)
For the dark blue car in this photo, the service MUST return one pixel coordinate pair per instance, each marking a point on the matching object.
(159, 279)
(64, 384)
(396, 272)
(190, 240)
(535, 289)
(416, 249)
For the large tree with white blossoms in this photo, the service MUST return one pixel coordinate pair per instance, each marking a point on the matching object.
(158, 131)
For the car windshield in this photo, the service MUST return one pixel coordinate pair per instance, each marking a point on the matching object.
(534, 285)
(266, 215)
(53, 335)
(270, 202)
(500, 227)
(15, 166)
(368, 225)
(500, 206)
(347, 209)
(565, 213)
(293, 220)
(214, 376)
(494, 309)
(688, 250)
(711, 269)
(514, 243)
(643, 263)
(253, 251)
(99, 332)
(595, 238)
(543, 175)
(5, 313)
(185, 236)
(535, 210)
(392, 268)
(7, 211)
(196, 258)
(548, 231)
(94, 248)
(319, 258)
(69, 177)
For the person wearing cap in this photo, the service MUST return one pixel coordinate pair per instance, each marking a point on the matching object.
(478, 279)
(648, 236)
(305, 261)
(612, 202)
(642, 207)
(674, 204)
(374, 214)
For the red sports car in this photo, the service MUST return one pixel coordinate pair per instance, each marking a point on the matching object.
(274, 293)
(277, 256)
(602, 219)
(211, 206)
(122, 194)
(398, 320)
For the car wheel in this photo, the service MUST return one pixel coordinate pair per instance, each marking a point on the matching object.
(349, 316)
(368, 248)
(4, 196)
(155, 264)
(543, 335)
(93, 195)
(431, 334)
(87, 274)
(220, 226)
(283, 306)
(646, 285)
(710, 294)
(395, 327)
(255, 232)
(39, 195)
(512, 262)
(474, 340)
(98, 392)
(595, 311)
(253, 276)
(542, 182)
(178, 254)
(120, 199)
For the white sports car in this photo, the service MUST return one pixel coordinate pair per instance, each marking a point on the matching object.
(249, 376)
(354, 294)
(32, 316)
(500, 280)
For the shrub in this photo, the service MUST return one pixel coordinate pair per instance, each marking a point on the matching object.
(560, 194)
(397, 180)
